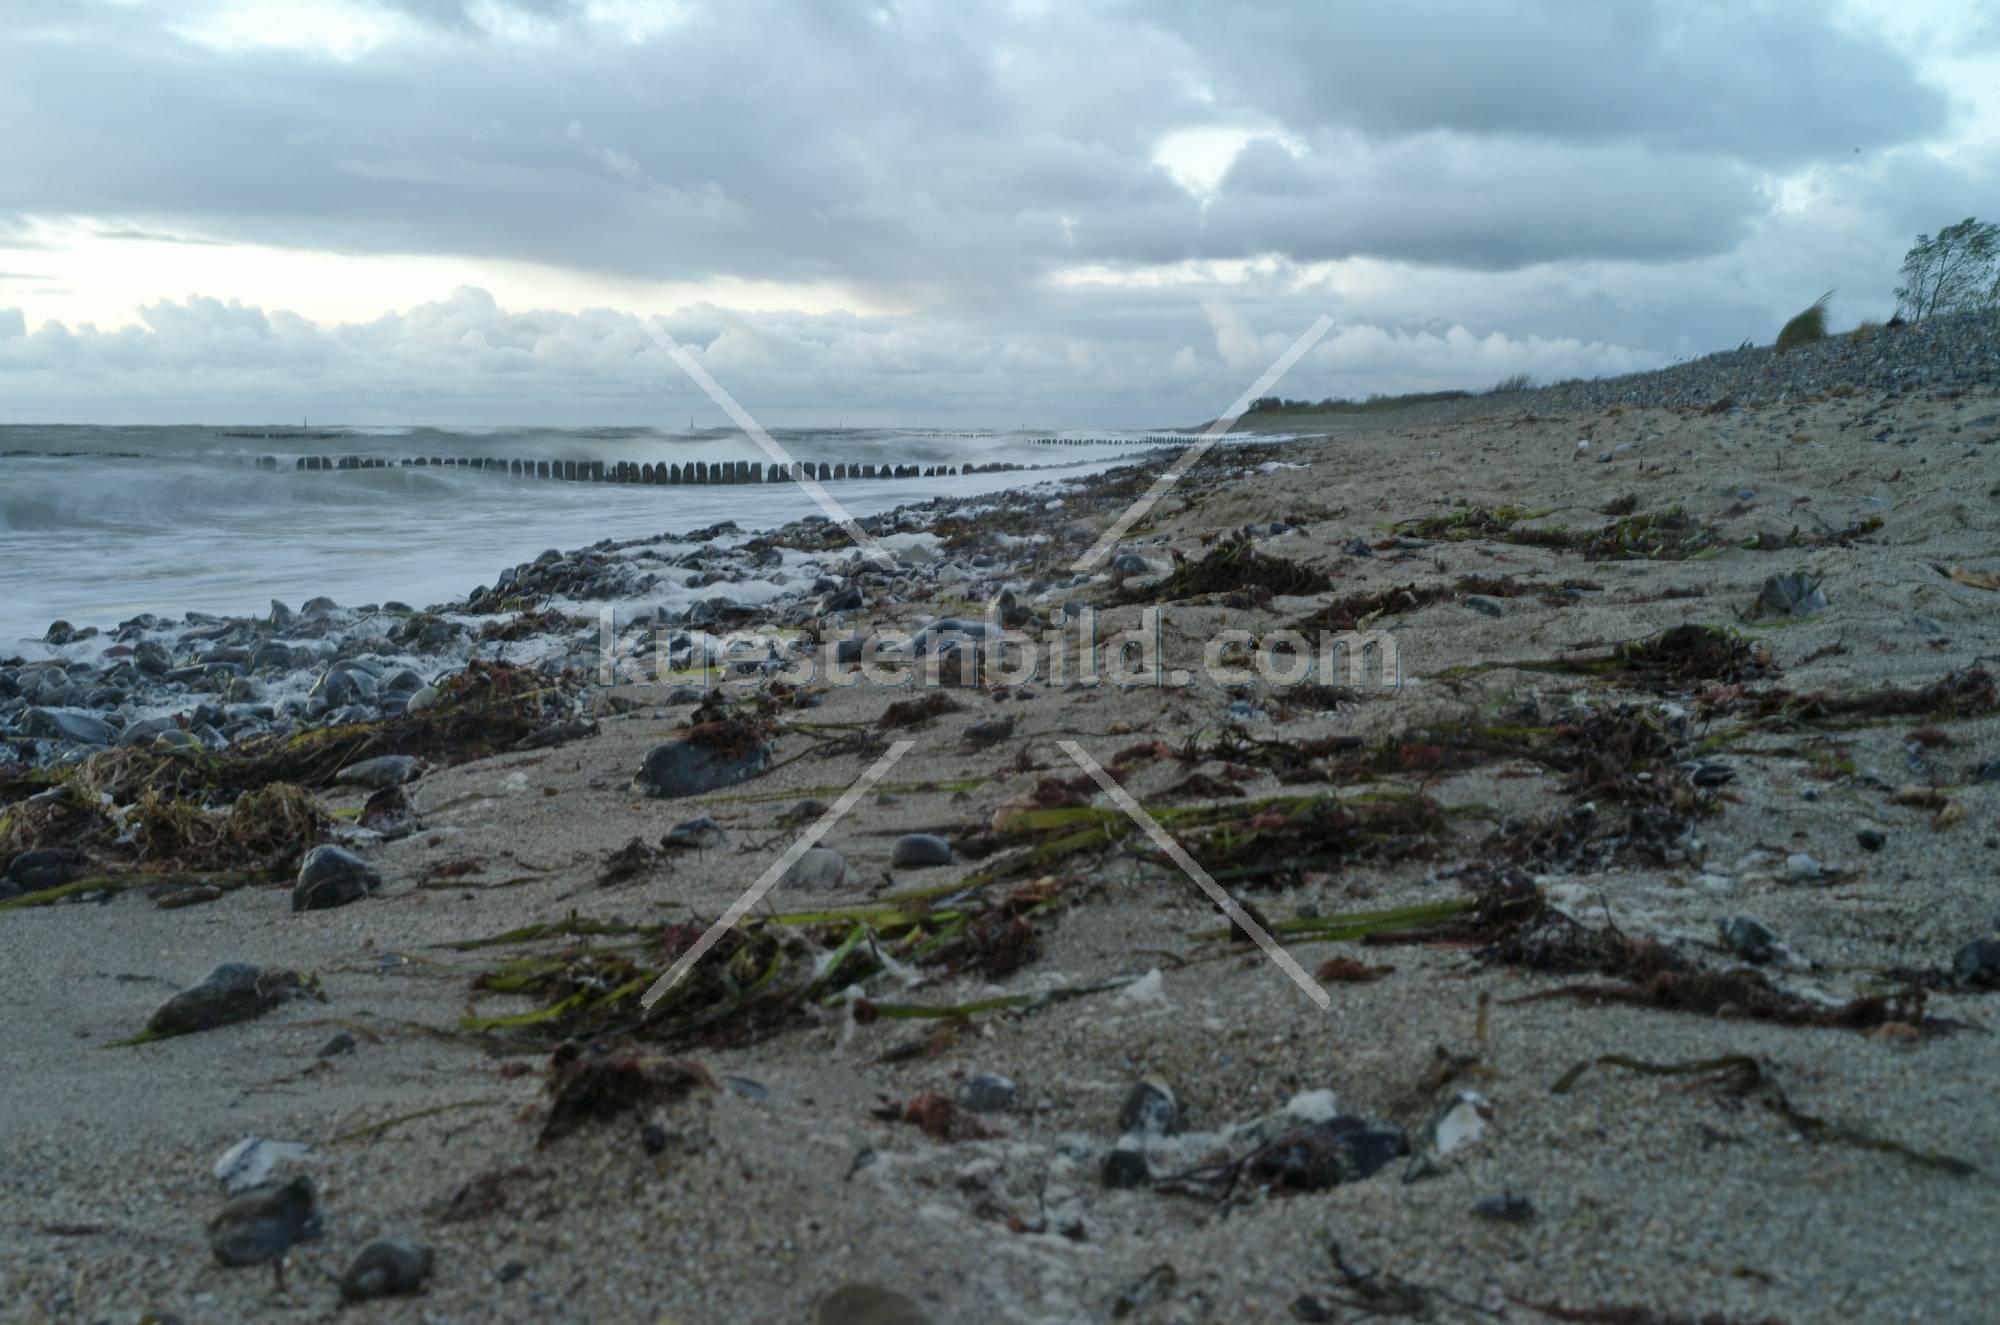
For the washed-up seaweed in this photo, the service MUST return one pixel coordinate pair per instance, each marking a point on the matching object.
(1626, 1315)
(1675, 661)
(1670, 535)
(1269, 839)
(1961, 694)
(480, 711)
(599, 1080)
(1357, 611)
(1744, 1076)
(1234, 566)
(262, 833)
(1647, 973)
(760, 978)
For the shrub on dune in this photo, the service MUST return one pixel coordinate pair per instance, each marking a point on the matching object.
(1807, 328)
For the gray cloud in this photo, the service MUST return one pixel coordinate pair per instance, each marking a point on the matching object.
(1597, 183)
(1776, 82)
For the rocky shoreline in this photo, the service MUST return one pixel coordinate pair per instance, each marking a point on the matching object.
(1654, 908)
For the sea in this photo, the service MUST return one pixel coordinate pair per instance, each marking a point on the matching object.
(99, 524)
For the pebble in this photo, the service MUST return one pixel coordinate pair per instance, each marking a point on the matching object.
(341, 1043)
(389, 1268)
(251, 1162)
(60, 725)
(701, 834)
(381, 771)
(1871, 839)
(331, 876)
(1977, 964)
(1802, 868)
(44, 867)
(1460, 1123)
(1506, 1208)
(1124, 1168)
(1752, 940)
(1485, 606)
(867, 1304)
(988, 1092)
(233, 991)
(819, 868)
(1792, 595)
(261, 1225)
(685, 768)
(1150, 1108)
(986, 731)
(920, 851)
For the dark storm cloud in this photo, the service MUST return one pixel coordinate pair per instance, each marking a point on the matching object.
(1589, 186)
(946, 147)
(1770, 81)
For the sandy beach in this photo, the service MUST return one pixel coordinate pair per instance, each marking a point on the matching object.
(1648, 911)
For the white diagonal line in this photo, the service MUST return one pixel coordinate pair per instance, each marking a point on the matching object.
(1133, 514)
(678, 971)
(1150, 826)
(779, 455)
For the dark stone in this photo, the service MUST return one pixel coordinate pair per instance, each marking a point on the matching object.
(1150, 1107)
(1322, 1155)
(653, 1136)
(1977, 964)
(694, 766)
(341, 1043)
(389, 812)
(818, 868)
(989, 730)
(1871, 839)
(1791, 595)
(1752, 940)
(986, 1093)
(1485, 606)
(920, 851)
(700, 834)
(234, 991)
(1125, 1168)
(1712, 775)
(152, 658)
(59, 633)
(57, 725)
(557, 733)
(381, 771)
(389, 1268)
(1506, 1208)
(264, 1223)
(331, 876)
(46, 867)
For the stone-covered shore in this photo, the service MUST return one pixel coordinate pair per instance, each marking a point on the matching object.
(1654, 911)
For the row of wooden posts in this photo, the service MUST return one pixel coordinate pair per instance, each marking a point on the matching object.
(1111, 441)
(628, 471)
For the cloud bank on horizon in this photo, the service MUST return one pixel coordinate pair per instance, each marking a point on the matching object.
(456, 210)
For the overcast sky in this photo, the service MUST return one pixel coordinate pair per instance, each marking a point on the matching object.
(1051, 213)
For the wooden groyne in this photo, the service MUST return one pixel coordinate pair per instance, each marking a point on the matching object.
(632, 471)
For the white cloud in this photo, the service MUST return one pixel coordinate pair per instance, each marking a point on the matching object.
(1094, 206)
